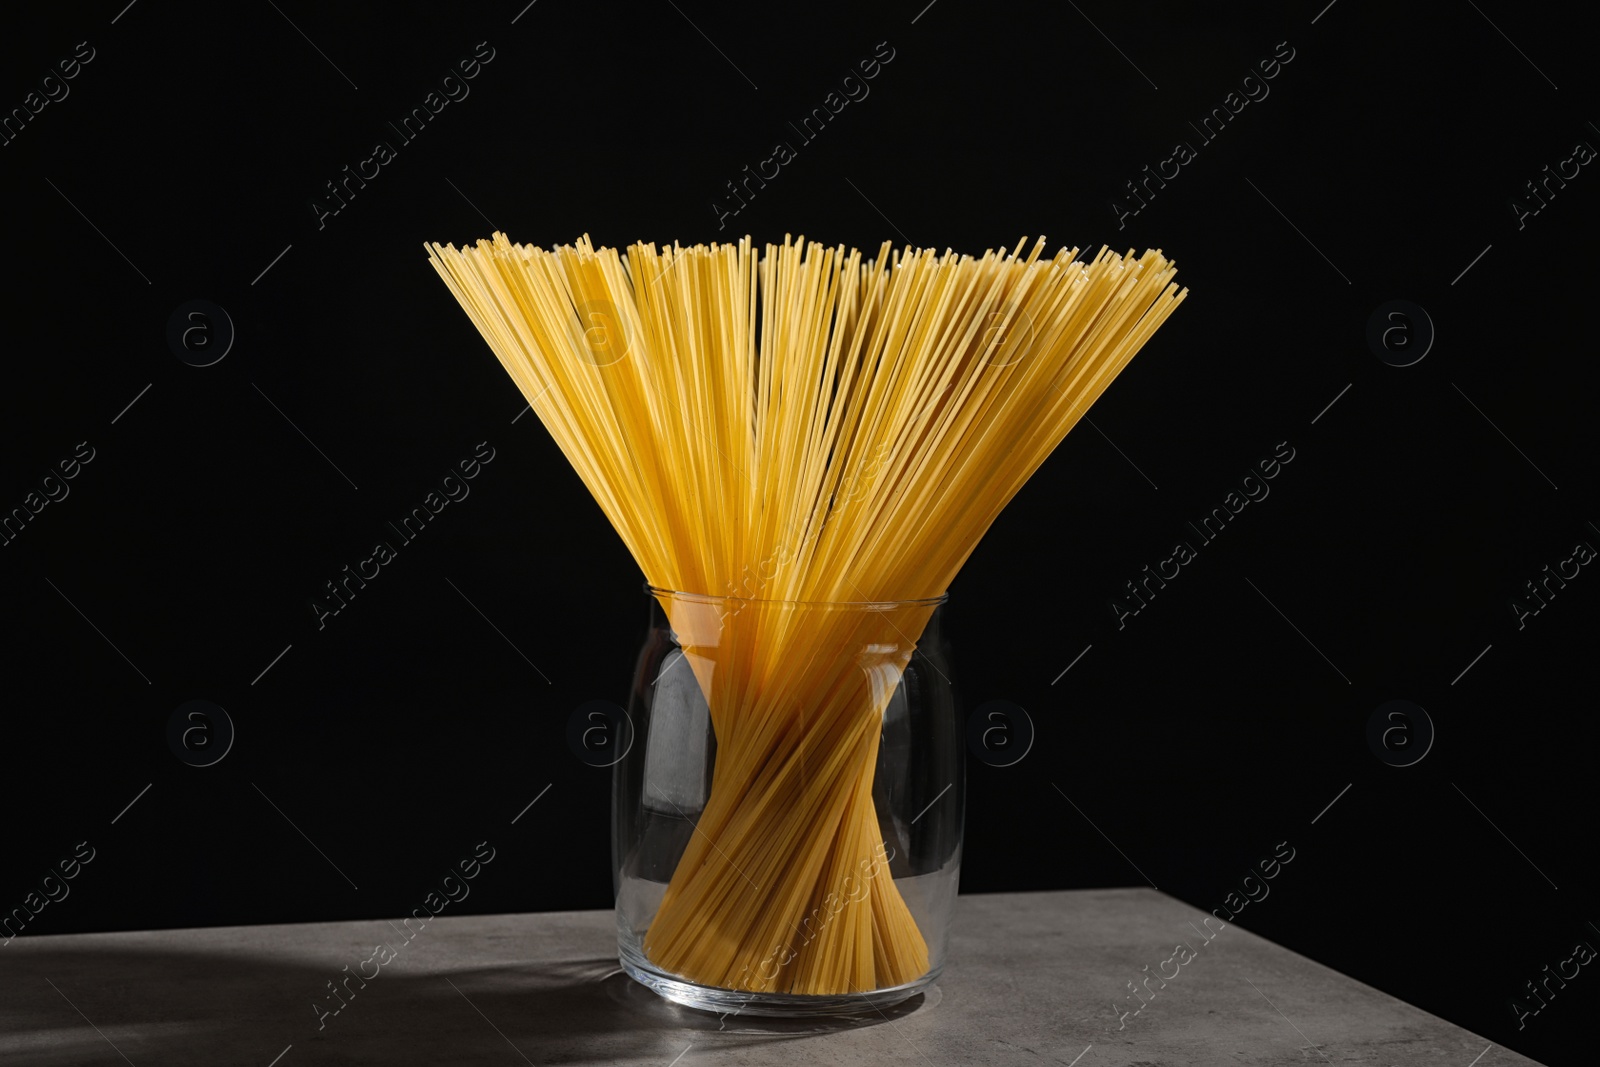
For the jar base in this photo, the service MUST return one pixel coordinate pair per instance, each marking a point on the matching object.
(771, 1005)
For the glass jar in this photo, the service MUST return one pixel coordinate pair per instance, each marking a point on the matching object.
(786, 823)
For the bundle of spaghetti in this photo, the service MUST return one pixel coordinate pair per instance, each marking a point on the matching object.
(779, 433)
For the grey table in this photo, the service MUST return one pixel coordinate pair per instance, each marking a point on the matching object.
(1034, 978)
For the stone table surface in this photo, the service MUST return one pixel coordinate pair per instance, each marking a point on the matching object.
(1033, 978)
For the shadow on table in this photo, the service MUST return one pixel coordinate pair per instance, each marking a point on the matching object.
(62, 1006)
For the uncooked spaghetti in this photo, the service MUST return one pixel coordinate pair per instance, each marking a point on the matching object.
(804, 425)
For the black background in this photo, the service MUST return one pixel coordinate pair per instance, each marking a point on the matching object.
(1212, 726)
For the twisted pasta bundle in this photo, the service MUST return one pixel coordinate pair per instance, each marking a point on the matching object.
(803, 426)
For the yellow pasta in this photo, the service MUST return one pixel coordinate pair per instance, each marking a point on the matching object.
(803, 425)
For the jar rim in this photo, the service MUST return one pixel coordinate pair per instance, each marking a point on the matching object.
(709, 598)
